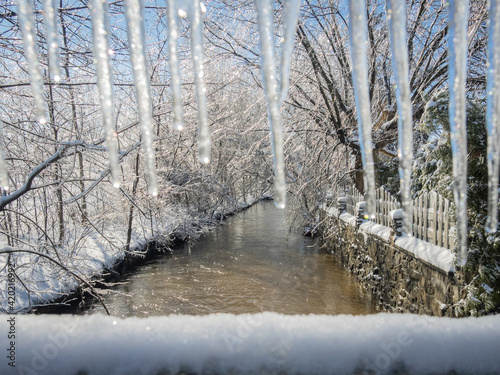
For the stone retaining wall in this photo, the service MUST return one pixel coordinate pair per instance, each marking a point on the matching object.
(397, 279)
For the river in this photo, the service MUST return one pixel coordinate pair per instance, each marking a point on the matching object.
(254, 262)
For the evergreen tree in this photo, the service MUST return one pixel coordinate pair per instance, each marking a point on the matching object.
(433, 170)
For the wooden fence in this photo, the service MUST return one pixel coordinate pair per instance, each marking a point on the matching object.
(431, 214)
(385, 203)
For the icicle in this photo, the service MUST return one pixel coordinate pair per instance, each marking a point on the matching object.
(173, 35)
(358, 39)
(102, 50)
(268, 65)
(396, 16)
(50, 12)
(199, 77)
(493, 113)
(457, 46)
(136, 35)
(26, 20)
(4, 174)
(291, 15)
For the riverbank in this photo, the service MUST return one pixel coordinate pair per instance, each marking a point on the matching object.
(98, 262)
(257, 261)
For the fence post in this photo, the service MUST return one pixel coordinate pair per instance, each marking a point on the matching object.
(360, 213)
(342, 204)
(396, 223)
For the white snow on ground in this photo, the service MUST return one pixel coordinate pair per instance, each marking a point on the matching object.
(254, 344)
(91, 254)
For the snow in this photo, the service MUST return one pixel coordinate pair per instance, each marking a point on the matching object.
(349, 219)
(396, 214)
(254, 344)
(93, 255)
(378, 230)
(438, 256)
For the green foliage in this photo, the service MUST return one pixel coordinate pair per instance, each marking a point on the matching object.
(387, 173)
(433, 170)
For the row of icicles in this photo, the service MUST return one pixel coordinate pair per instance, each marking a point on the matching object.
(276, 89)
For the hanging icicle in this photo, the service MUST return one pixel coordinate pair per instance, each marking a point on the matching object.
(457, 47)
(50, 12)
(136, 35)
(268, 66)
(291, 17)
(4, 173)
(175, 75)
(493, 113)
(102, 60)
(358, 33)
(26, 21)
(396, 16)
(196, 17)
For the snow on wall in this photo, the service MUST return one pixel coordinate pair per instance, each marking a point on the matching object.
(253, 344)
(436, 255)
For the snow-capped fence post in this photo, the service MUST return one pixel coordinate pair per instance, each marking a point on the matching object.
(342, 204)
(396, 223)
(360, 213)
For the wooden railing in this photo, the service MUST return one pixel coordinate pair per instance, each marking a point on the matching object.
(431, 214)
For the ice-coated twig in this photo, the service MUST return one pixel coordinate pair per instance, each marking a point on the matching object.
(175, 75)
(291, 16)
(457, 48)
(136, 37)
(493, 113)
(358, 32)
(50, 12)
(396, 17)
(270, 83)
(196, 17)
(102, 50)
(26, 21)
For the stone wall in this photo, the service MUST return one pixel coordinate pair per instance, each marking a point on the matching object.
(397, 279)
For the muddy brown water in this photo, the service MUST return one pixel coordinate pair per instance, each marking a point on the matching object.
(254, 262)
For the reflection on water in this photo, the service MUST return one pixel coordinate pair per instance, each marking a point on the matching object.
(254, 263)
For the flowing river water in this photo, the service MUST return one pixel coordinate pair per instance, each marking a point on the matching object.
(254, 262)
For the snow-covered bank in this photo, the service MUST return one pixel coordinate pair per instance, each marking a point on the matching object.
(37, 279)
(254, 344)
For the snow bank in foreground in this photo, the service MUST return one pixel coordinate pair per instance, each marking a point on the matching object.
(254, 344)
